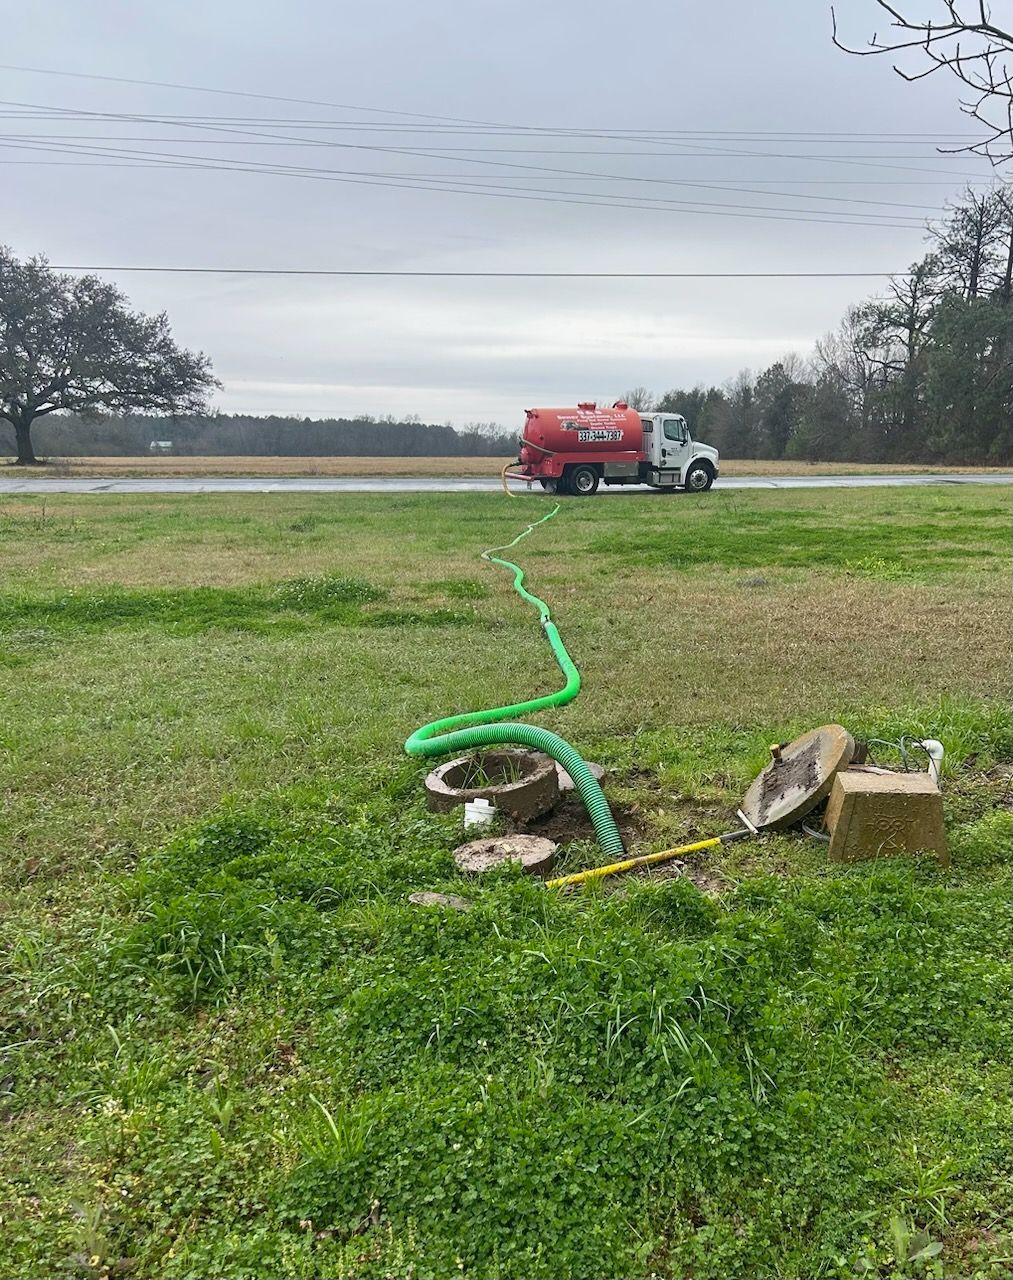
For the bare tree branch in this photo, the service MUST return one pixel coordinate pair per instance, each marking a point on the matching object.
(970, 45)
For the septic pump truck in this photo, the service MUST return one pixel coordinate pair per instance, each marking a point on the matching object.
(572, 451)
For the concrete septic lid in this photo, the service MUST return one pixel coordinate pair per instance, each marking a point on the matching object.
(534, 793)
(535, 854)
(566, 782)
(425, 898)
(798, 778)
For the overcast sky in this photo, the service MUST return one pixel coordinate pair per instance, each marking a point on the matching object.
(669, 76)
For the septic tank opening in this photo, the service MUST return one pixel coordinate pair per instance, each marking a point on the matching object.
(522, 784)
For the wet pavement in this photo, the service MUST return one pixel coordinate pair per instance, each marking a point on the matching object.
(435, 484)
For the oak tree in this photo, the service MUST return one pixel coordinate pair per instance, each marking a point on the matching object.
(73, 343)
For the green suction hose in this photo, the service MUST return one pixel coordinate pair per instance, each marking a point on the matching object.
(477, 728)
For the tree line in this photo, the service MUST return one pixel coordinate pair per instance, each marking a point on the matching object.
(921, 374)
(81, 373)
(212, 435)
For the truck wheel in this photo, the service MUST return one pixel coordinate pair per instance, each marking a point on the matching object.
(583, 481)
(699, 478)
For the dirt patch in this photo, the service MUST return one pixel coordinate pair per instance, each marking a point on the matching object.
(705, 877)
(569, 821)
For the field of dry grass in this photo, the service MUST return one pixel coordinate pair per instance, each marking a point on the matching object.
(240, 465)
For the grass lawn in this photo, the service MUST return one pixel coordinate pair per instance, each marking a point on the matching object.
(229, 1046)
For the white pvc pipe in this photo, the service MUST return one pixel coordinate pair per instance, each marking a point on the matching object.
(934, 749)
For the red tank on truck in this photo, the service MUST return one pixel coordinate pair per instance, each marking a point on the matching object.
(572, 451)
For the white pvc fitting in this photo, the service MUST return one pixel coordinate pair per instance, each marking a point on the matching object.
(478, 813)
(935, 751)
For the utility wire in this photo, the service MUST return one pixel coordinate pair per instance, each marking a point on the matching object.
(232, 93)
(425, 182)
(767, 213)
(44, 115)
(422, 178)
(452, 154)
(86, 139)
(153, 164)
(86, 118)
(497, 275)
(145, 118)
(29, 142)
(266, 97)
(717, 183)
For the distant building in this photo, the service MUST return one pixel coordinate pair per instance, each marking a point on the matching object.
(160, 446)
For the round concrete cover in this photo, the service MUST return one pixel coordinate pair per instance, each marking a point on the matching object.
(566, 782)
(535, 854)
(791, 786)
(449, 900)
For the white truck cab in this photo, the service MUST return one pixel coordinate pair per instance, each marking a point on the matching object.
(672, 457)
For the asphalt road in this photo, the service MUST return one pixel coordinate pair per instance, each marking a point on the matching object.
(434, 484)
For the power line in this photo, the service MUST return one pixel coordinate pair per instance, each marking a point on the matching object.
(504, 192)
(497, 275)
(147, 158)
(464, 186)
(90, 118)
(690, 150)
(527, 129)
(415, 115)
(772, 212)
(719, 183)
(267, 97)
(232, 93)
(43, 115)
(275, 140)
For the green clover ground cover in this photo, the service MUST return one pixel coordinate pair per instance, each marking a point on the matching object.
(262, 1039)
(232, 1047)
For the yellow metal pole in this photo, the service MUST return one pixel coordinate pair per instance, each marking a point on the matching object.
(646, 860)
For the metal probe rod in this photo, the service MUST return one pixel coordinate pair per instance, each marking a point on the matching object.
(646, 860)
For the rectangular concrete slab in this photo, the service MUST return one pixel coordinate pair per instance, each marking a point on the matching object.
(880, 815)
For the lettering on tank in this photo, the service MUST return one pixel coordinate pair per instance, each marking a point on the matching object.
(595, 427)
(599, 435)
